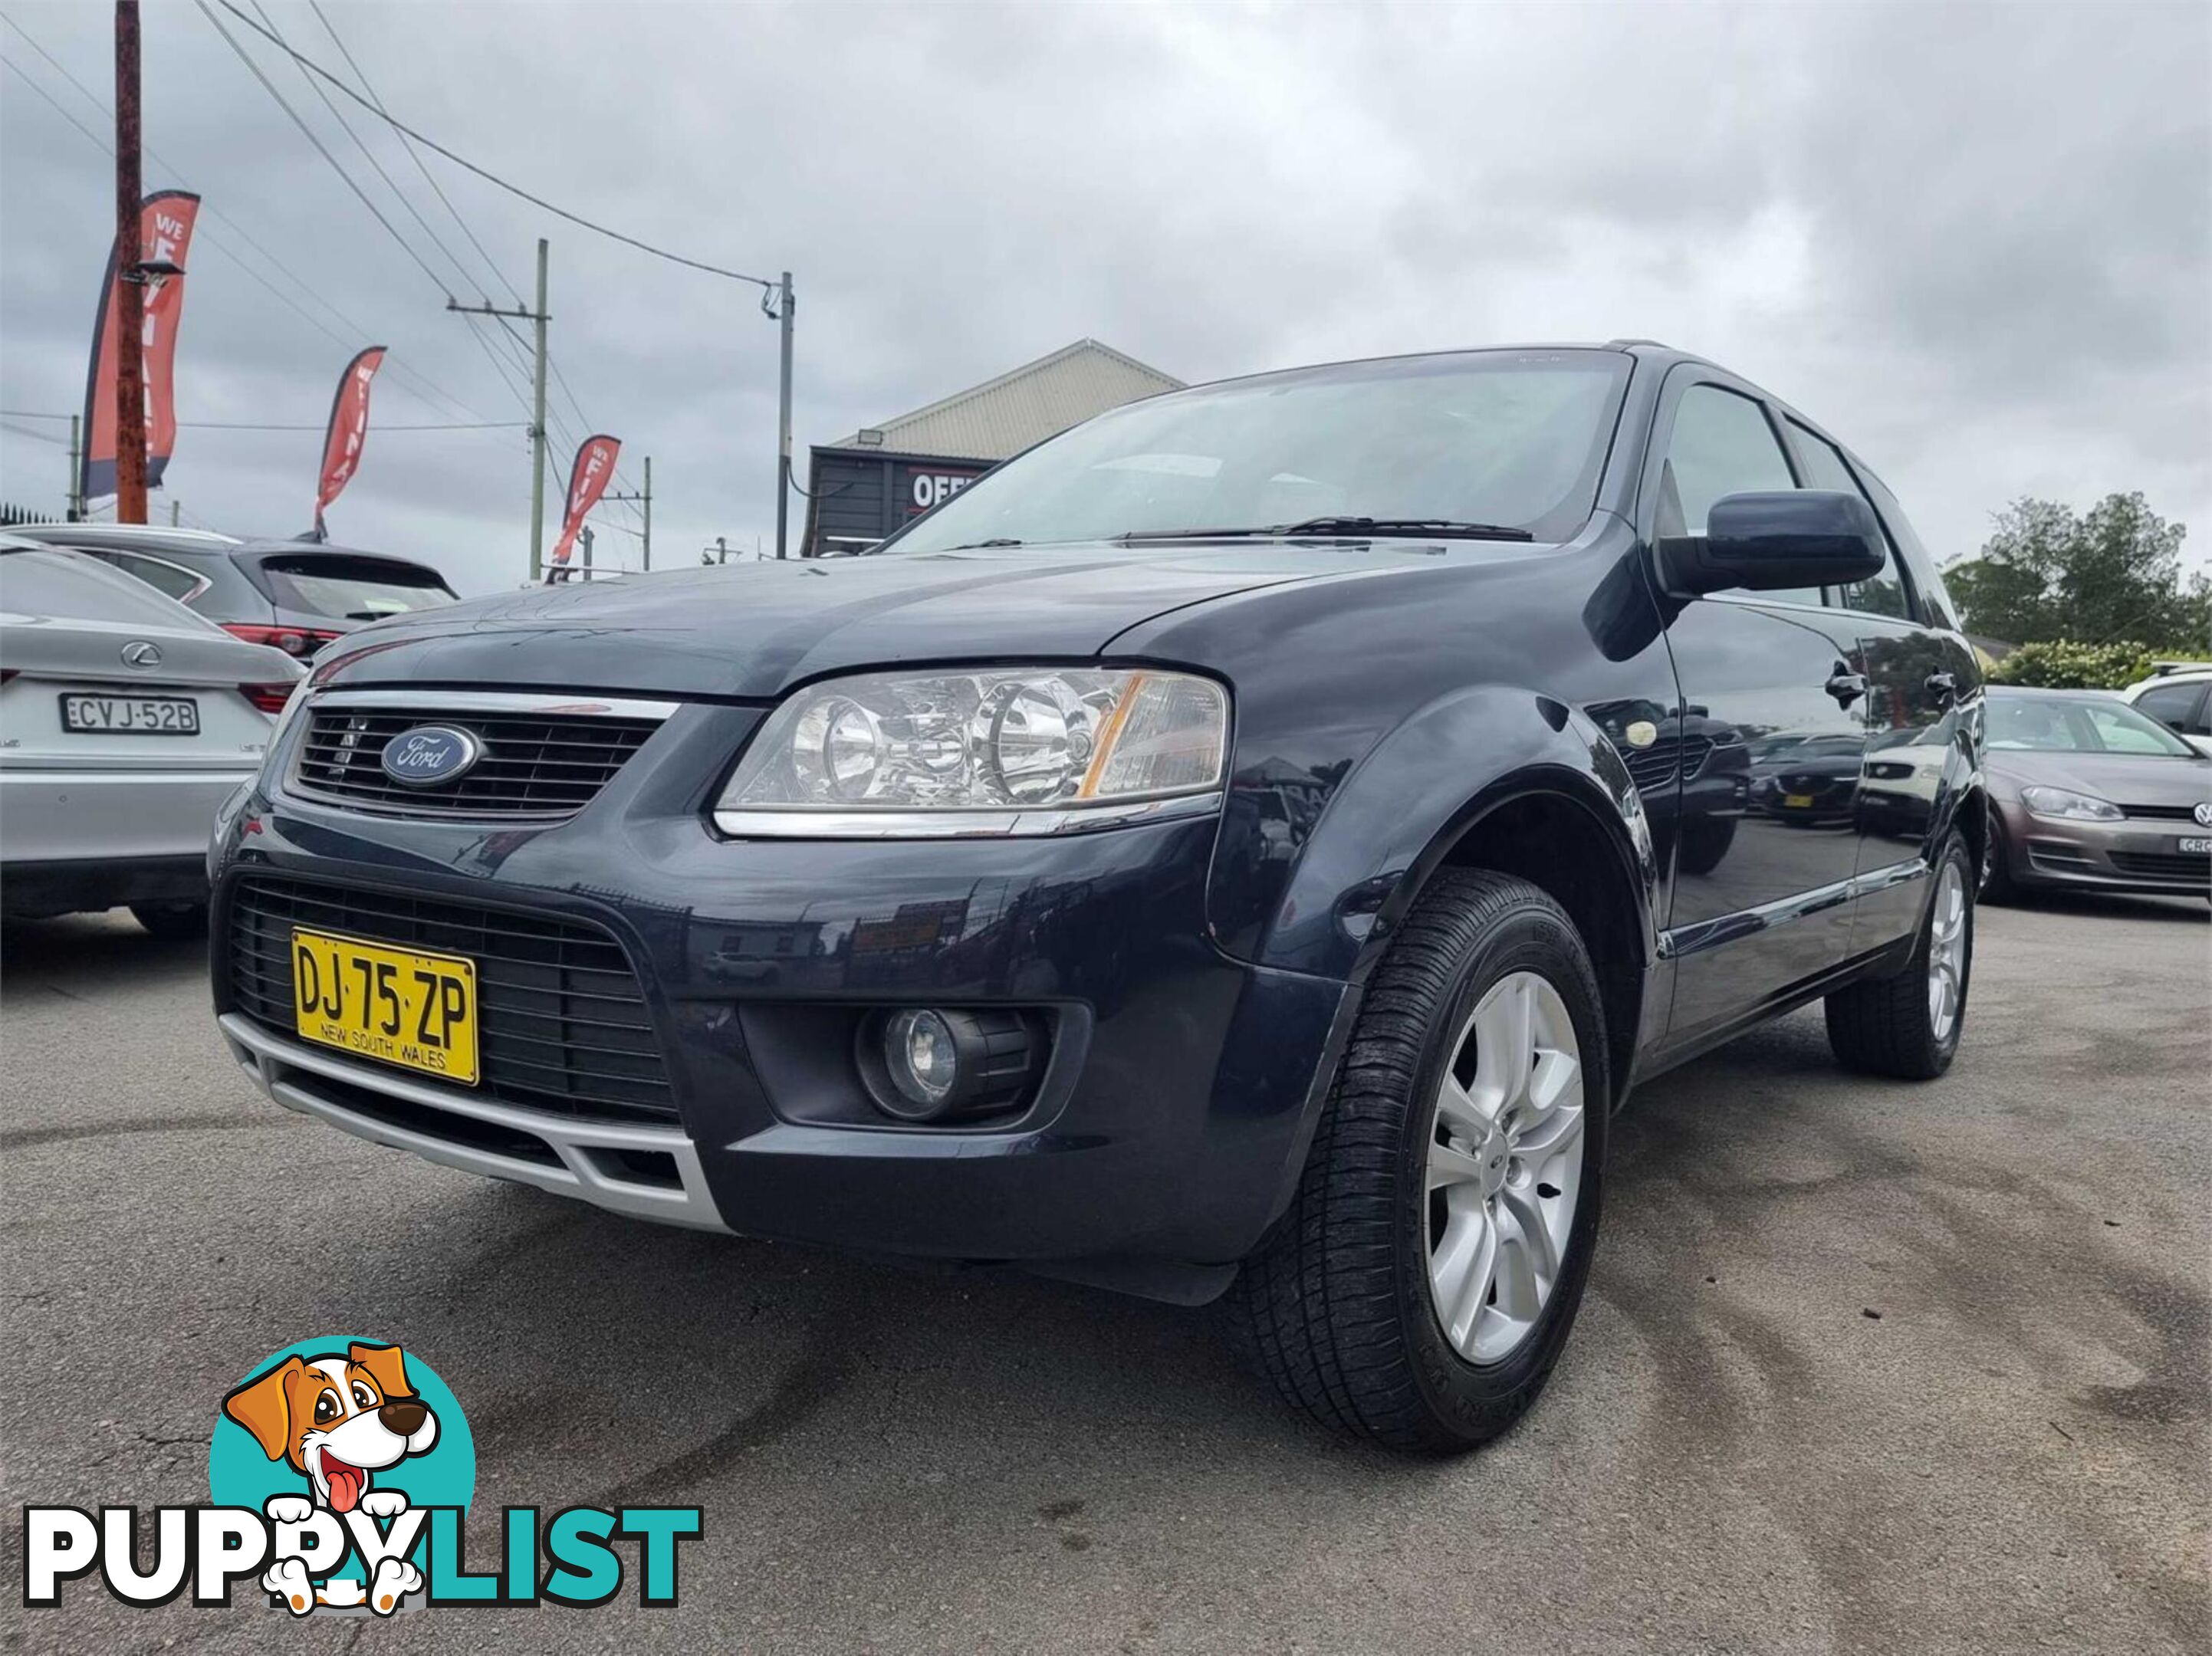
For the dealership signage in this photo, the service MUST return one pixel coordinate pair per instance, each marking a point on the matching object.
(929, 486)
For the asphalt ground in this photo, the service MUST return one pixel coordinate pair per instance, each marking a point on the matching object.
(1864, 1366)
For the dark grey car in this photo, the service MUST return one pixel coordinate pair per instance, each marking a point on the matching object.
(294, 595)
(2087, 791)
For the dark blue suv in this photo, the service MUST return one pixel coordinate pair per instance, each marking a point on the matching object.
(1241, 850)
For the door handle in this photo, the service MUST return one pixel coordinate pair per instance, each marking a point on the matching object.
(1846, 687)
(1943, 686)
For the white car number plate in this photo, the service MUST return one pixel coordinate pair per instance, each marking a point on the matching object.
(2194, 847)
(131, 715)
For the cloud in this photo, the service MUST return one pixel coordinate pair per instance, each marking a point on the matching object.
(1976, 242)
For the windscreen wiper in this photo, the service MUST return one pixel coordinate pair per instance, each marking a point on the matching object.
(1445, 528)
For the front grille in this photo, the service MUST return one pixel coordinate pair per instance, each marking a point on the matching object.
(1657, 765)
(561, 1019)
(2162, 813)
(540, 764)
(2164, 865)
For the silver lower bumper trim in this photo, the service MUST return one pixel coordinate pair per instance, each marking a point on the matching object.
(586, 1152)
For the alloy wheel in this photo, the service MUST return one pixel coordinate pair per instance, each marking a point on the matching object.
(1947, 952)
(1504, 1166)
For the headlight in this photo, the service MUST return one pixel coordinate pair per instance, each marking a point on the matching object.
(2063, 804)
(991, 752)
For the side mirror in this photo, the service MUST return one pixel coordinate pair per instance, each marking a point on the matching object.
(1770, 541)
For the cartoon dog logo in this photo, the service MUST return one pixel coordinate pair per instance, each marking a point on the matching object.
(339, 1421)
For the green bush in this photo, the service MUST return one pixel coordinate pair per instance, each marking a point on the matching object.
(2063, 664)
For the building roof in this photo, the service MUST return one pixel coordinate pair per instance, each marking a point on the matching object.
(1005, 415)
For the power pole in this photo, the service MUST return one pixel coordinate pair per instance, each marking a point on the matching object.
(646, 495)
(783, 420)
(130, 292)
(537, 437)
(76, 469)
(176, 514)
(541, 316)
(586, 538)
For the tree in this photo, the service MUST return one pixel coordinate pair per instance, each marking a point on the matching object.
(2111, 573)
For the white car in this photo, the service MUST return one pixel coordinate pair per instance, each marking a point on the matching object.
(2179, 697)
(125, 721)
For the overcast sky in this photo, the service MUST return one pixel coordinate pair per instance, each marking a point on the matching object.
(1975, 241)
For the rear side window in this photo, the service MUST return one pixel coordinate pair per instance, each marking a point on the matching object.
(354, 589)
(174, 580)
(71, 585)
(1825, 468)
(1721, 444)
(2121, 732)
(2177, 706)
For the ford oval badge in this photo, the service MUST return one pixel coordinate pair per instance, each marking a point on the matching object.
(431, 753)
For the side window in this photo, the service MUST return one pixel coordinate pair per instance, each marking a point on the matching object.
(1883, 594)
(1721, 444)
(2121, 734)
(162, 575)
(2176, 706)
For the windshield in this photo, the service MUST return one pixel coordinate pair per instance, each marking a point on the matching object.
(2051, 724)
(356, 589)
(1511, 438)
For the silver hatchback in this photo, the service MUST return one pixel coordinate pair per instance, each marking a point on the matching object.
(2087, 791)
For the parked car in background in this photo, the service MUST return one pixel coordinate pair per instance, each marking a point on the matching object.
(294, 595)
(1237, 847)
(2179, 697)
(2088, 790)
(125, 720)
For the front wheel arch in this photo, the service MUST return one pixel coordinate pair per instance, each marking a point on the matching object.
(1552, 836)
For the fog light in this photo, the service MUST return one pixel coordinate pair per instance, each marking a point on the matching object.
(921, 1057)
(929, 1064)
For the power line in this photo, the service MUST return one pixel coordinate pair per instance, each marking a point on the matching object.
(369, 155)
(499, 365)
(414, 155)
(321, 148)
(269, 30)
(489, 177)
(107, 148)
(247, 425)
(430, 392)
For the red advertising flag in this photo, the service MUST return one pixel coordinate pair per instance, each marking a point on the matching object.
(164, 237)
(587, 480)
(342, 444)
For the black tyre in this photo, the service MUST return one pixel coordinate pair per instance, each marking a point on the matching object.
(1998, 885)
(1908, 1026)
(1469, 1110)
(172, 922)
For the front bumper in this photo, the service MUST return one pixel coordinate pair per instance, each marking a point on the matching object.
(2135, 855)
(1171, 1130)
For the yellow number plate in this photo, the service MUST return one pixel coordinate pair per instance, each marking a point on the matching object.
(1796, 801)
(418, 1011)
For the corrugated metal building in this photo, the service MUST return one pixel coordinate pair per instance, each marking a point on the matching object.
(882, 477)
